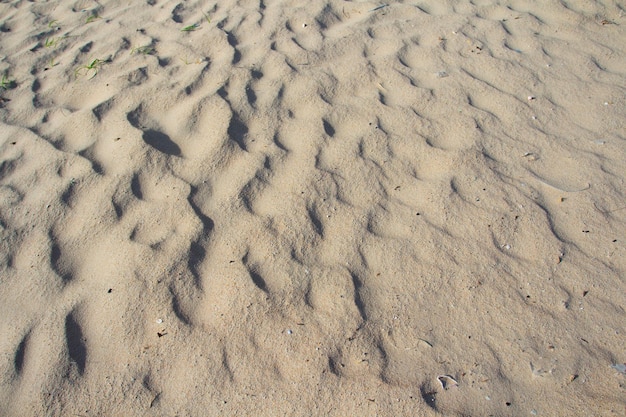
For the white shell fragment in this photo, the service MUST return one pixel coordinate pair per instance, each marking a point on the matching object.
(447, 381)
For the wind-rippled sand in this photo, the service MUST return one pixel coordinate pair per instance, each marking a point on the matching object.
(279, 207)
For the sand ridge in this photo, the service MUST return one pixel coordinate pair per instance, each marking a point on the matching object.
(276, 207)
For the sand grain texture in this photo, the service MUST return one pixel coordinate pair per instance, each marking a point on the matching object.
(312, 208)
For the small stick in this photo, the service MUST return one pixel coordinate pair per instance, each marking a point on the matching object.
(379, 7)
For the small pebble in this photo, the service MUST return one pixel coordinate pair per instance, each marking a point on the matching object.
(159, 321)
(289, 331)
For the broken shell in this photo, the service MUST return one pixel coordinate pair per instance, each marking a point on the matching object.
(447, 381)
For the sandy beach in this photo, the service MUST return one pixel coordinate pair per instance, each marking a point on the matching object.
(313, 208)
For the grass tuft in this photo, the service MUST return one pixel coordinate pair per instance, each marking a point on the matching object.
(92, 68)
(52, 42)
(51, 64)
(6, 83)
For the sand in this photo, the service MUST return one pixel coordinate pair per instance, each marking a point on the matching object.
(280, 207)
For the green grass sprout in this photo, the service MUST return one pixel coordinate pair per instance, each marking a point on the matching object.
(206, 16)
(145, 50)
(93, 18)
(54, 24)
(51, 64)
(190, 28)
(92, 67)
(6, 83)
(51, 42)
